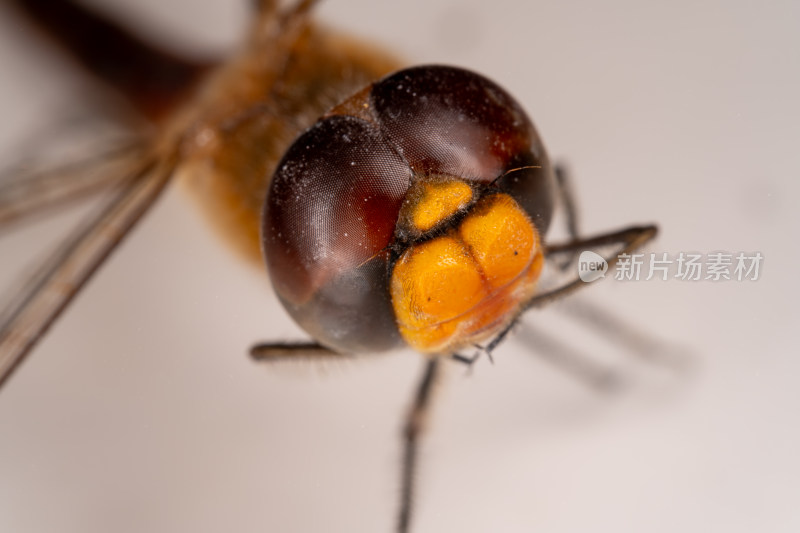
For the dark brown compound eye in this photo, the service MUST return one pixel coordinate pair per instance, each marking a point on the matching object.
(333, 205)
(330, 216)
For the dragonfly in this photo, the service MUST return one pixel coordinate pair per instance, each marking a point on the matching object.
(288, 100)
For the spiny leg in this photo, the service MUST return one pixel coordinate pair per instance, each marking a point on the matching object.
(631, 239)
(487, 349)
(415, 419)
(415, 423)
(566, 197)
(284, 351)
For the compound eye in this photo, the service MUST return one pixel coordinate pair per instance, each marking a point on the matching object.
(330, 216)
(452, 121)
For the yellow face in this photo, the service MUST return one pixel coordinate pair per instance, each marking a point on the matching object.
(467, 283)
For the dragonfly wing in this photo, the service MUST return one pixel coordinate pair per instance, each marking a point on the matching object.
(41, 192)
(39, 301)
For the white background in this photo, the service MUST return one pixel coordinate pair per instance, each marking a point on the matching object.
(140, 411)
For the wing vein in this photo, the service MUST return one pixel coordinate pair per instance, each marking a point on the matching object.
(40, 301)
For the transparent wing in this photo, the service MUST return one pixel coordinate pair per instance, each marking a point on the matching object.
(35, 193)
(38, 302)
